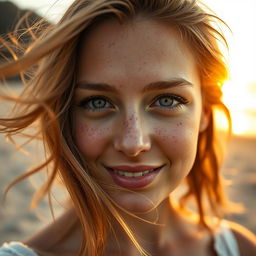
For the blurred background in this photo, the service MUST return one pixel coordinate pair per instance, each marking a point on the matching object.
(16, 222)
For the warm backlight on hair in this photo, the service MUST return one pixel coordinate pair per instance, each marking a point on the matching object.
(240, 91)
(240, 98)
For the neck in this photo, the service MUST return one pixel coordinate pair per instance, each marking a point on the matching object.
(155, 231)
(152, 230)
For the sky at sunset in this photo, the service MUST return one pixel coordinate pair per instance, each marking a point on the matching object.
(240, 90)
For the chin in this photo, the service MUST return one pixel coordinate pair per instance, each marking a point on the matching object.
(135, 202)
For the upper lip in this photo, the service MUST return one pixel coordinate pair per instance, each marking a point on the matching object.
(134, 168)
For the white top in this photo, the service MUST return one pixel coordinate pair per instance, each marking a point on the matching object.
(16, 249)
(225, 244)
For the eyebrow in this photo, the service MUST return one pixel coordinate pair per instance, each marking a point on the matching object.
(160, 85)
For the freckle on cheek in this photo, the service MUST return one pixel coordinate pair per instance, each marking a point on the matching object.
(163, 133)
(84, 130)
(166, 135)
(92, 132)
(158, 131)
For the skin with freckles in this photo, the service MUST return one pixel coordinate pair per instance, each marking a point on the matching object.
(122, 95)
(131, 124)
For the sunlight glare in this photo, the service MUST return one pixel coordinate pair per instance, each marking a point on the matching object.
(240, 100)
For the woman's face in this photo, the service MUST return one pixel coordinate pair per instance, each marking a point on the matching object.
(138, 110)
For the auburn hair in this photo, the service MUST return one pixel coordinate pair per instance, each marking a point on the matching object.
(48, 68)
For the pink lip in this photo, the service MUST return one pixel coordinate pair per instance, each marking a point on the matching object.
(134, 182)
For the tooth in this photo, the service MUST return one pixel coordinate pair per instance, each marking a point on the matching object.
(137, 174)
(132, 174)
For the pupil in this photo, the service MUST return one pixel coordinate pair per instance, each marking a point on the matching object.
(99, 103)
(166, 101)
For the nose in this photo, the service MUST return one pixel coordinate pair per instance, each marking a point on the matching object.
(132, 137)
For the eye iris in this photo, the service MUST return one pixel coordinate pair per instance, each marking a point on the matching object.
(166, 101)
(99, 103)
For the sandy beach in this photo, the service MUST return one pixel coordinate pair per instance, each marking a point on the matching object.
(18, 222)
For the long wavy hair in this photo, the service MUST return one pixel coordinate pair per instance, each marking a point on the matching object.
(48, 68)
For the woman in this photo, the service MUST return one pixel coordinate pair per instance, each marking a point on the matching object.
(125, 93)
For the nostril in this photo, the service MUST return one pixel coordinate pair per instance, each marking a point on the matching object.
(133, 152)
(132, 139)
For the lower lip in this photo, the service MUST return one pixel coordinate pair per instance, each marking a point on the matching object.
(136, 182)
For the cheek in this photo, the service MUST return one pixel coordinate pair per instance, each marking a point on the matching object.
(178, 140)
(90, 139)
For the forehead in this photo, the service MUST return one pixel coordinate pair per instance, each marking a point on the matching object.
(134, 50)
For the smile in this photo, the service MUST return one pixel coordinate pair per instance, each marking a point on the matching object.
(134, 177)
(133, 174)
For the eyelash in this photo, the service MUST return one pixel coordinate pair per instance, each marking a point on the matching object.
(180, 102)
(84, 103)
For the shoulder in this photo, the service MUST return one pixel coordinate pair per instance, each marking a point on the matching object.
(60, 237)
(246, 240)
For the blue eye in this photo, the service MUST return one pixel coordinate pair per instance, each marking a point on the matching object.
(170, 101)
(95, 103)
(166, 101)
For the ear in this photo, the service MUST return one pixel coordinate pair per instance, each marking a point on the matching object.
(205, 118)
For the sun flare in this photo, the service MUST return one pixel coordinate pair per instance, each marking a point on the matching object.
(240, 91)
(240, 99)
